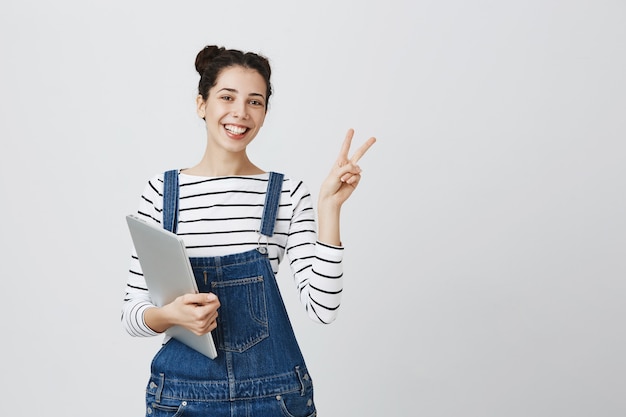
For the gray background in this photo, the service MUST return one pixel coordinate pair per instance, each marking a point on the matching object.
(484, 248)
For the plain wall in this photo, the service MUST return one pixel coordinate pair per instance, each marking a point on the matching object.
(485, 246)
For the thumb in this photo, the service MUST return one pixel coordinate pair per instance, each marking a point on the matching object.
(200, 298)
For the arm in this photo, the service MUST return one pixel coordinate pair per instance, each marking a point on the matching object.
(140, 317)
(137, 299)
(317, 265)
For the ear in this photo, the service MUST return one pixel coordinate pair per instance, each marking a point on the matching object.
(201, 107)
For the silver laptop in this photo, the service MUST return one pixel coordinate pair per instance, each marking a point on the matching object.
(167, 270)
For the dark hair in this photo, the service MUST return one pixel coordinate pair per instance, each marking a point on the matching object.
(211, 60)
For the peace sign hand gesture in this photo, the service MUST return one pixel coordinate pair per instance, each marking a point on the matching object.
(345, 173)
(337, 187)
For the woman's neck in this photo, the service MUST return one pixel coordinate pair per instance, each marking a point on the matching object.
(212, 165)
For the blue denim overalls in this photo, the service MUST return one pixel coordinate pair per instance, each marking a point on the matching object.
(259, 369)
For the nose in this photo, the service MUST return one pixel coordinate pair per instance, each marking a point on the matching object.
(240, 111)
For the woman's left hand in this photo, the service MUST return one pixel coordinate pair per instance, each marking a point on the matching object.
(345, 173)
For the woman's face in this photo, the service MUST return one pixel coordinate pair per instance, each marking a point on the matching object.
(234, 110)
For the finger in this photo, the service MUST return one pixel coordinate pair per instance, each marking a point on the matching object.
(354, 180)
(212, 326)
(200, 298)
(350, 177)
(345, 148)
(208, 322)
(361, 151)
(348, 171)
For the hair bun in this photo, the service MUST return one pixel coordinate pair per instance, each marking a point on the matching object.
(205, 56)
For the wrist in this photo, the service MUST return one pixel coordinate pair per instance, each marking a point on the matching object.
(328, 224)
(157, 319)
(328, 205)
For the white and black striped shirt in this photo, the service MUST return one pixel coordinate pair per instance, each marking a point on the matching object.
(220, 216)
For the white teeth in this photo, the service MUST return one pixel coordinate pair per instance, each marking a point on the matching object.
(237, 130)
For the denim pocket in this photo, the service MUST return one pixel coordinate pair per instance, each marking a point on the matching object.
(297, 405)
(242, 319)
(155, 409)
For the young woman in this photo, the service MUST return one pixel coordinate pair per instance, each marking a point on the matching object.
(238, 222)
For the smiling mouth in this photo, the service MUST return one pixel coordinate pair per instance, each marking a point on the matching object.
(236, 130)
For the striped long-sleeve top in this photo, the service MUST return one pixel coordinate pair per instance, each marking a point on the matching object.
(220, 216)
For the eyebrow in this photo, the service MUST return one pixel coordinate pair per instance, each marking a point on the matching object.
(233, 90)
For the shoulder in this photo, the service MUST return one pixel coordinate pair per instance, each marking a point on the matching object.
(154, 185)
(293, 186)
(296, 187)
(296, 192)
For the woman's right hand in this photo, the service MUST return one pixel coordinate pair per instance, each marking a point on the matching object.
(195, 312)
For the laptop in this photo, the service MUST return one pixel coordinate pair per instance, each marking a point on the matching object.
(167, 270)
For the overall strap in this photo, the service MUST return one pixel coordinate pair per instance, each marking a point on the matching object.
(272, 201)
(170, 200)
